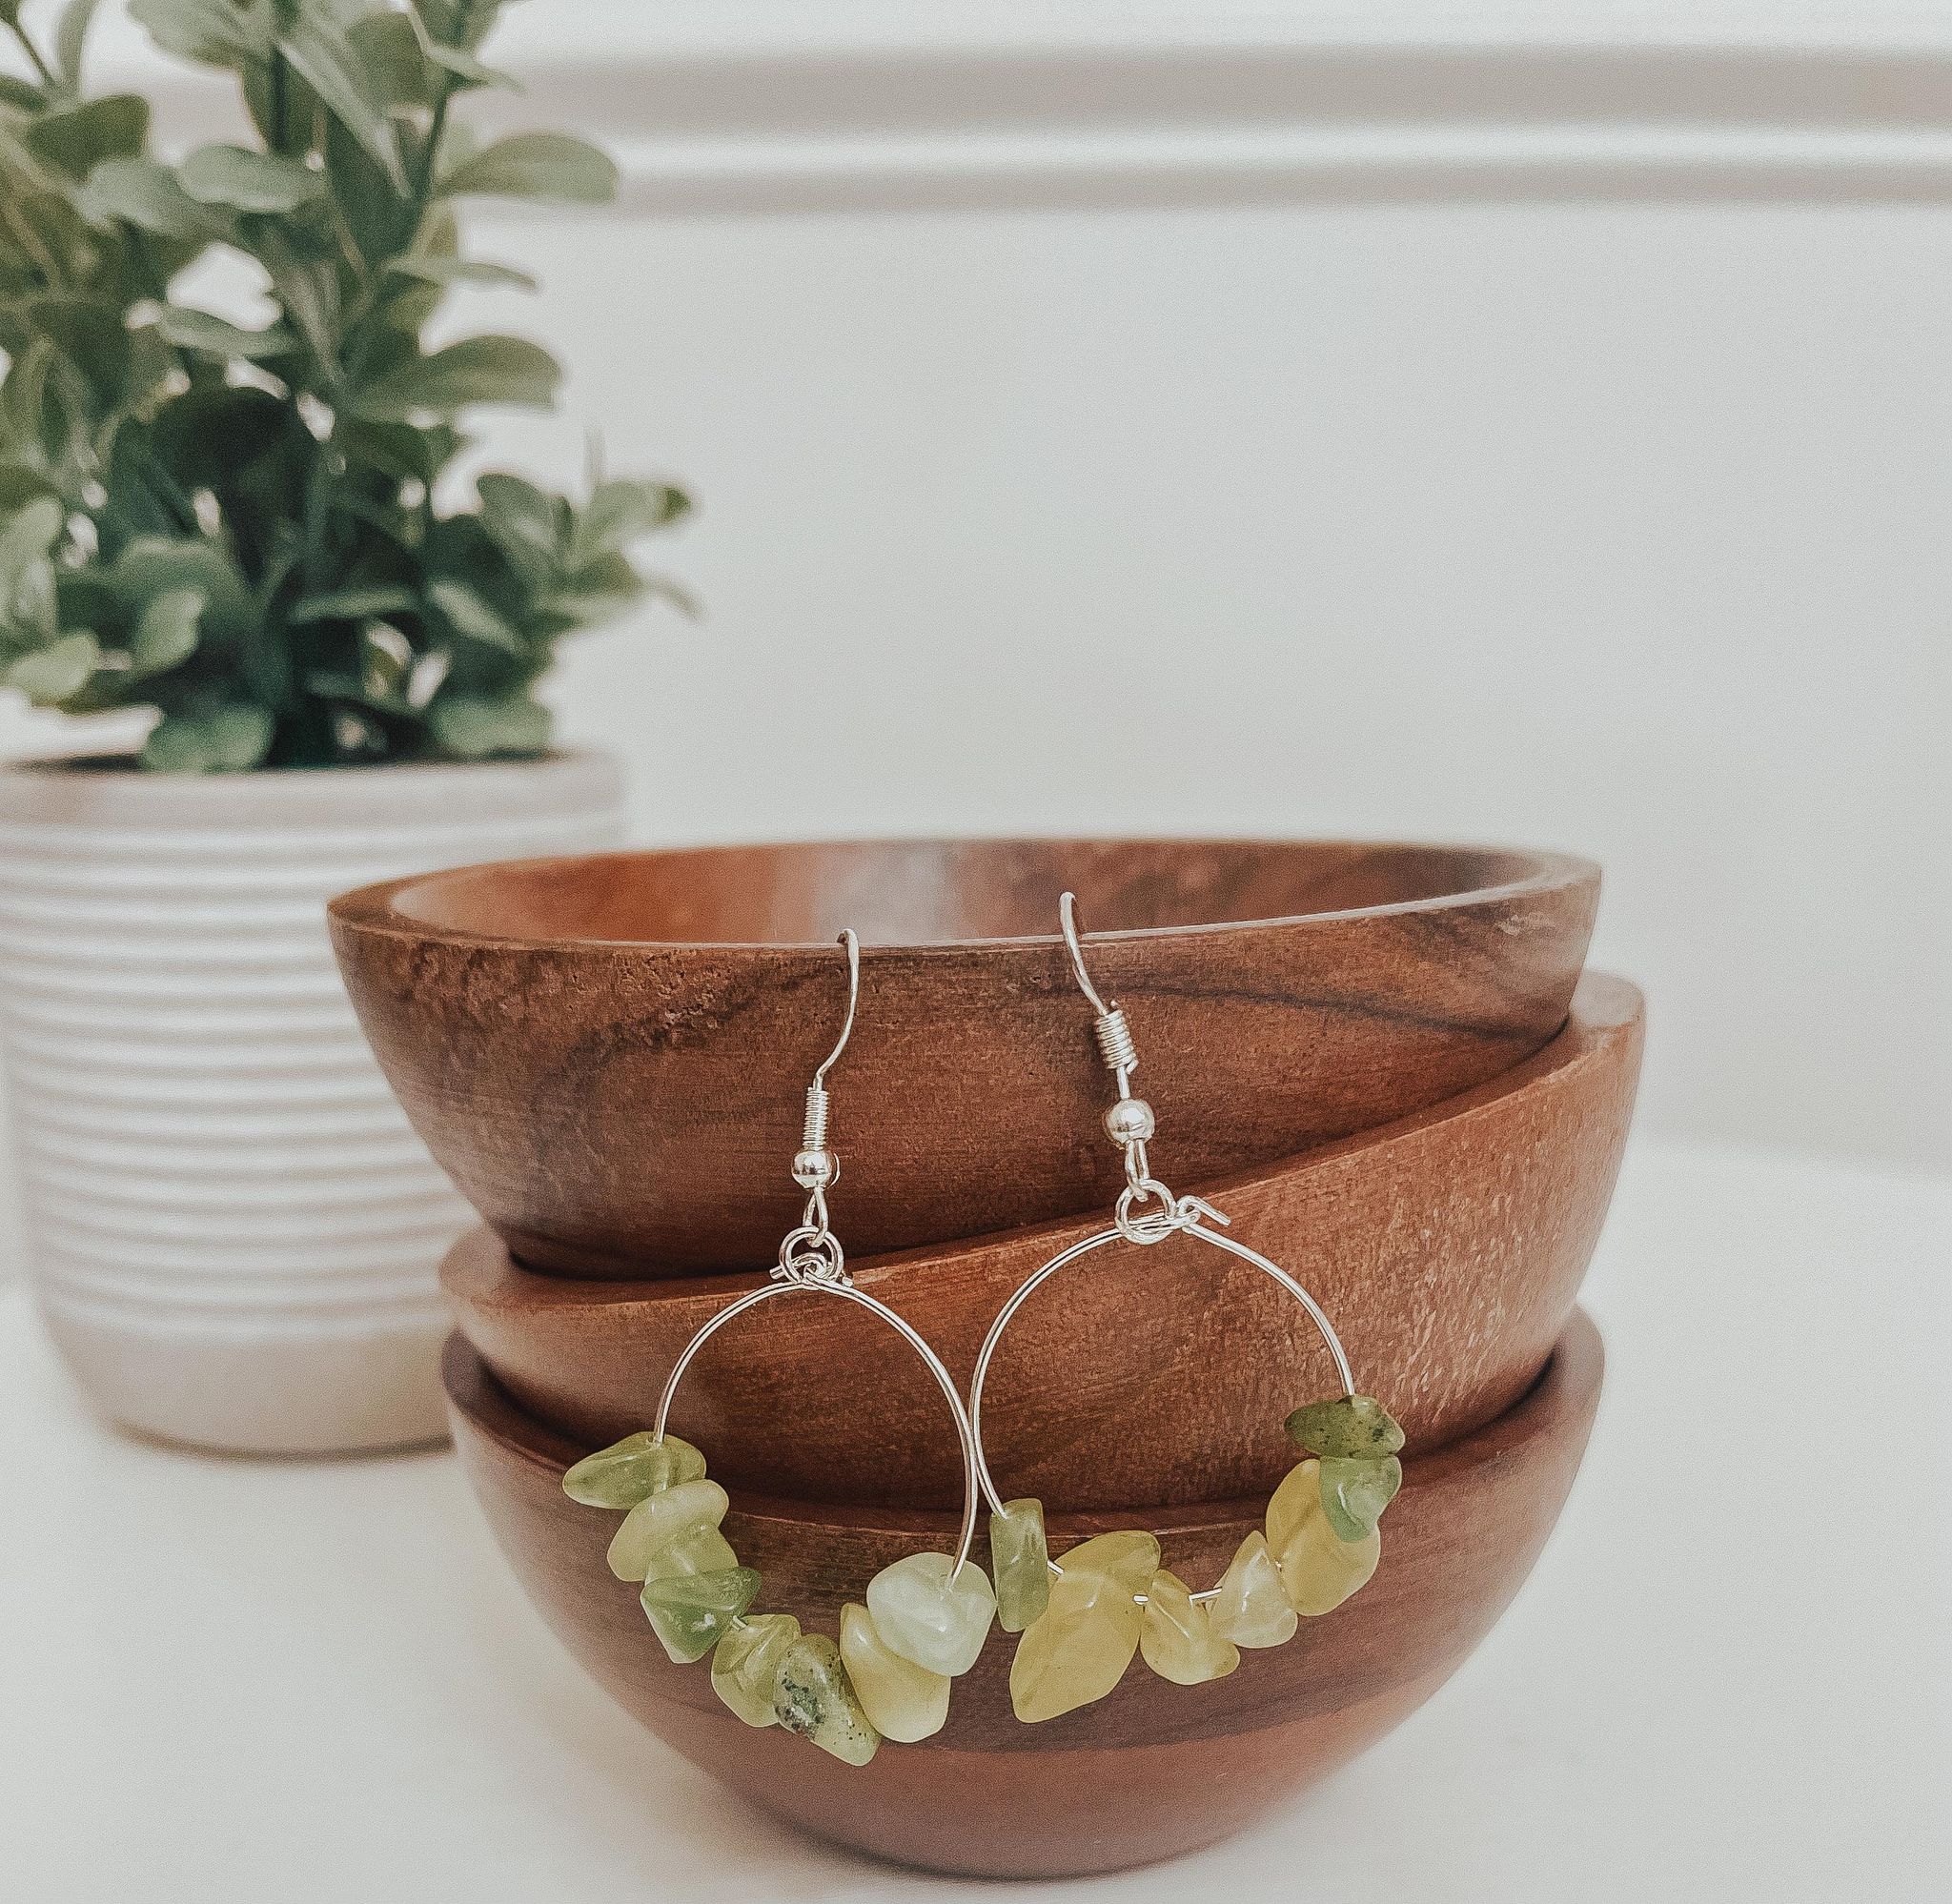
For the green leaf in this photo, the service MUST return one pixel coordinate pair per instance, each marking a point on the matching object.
(321, 55)
(150, 565)
(218, 337)
(75, 139)
(604, 588)
(166, 633)
(227, 740)
(20, 485)
(248, 181)
(522, 520)
(308, 287)
(70, 37)
(619, 512)
(470, 70)
(353, 605)
(476, 369)
(214, 32)
(472, 617)
(399, 449)
(536, 165)
(397, 74)
(26, 537)
(144, 193)
(457, 23)
(472, 727)
(435, 57)
(460, 271)
(56, 673)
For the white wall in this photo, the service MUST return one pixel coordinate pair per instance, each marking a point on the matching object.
(1269, 439)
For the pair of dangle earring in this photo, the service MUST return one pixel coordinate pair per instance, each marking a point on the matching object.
(1082, 1617)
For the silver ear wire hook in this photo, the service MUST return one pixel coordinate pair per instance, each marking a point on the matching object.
(853, 947)
(1113, 1033)
(1130, 1122)
(816, 1168)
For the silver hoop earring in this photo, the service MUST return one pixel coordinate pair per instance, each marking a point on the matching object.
(925, 1615)
(1085, 1615)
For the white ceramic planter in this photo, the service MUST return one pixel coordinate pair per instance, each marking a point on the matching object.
(233, 1230)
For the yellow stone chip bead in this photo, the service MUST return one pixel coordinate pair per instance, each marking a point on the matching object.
(1250, 1608)
(1177, 1639)
(1078, 1649)
(745, 1665)
(903, 1701)
(1319, 1570)
(659, 1520)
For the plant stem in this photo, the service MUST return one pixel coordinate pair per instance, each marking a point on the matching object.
(48, 76)
(423, 182)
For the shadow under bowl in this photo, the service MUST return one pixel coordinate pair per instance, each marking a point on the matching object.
(1447, 1249)
(609, 1055)
(1151, 1771)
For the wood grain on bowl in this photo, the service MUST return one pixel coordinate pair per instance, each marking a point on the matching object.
(1448, 1248)
(1152, 1769)
(608, 1054)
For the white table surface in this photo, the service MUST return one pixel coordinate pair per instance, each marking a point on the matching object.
(1728, 1679)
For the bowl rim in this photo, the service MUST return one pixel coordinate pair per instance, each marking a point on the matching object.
(1567, 1386)
(378, 908)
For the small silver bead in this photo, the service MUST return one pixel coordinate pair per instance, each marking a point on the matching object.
(815, 1169)
(1129, 1121)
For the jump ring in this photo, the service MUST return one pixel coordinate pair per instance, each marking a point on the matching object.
(1147, 1227)
(810, 1254)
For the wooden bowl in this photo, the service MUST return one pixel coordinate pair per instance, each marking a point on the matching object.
(609, 1055)
(1152, 1769)
(1448, 1248)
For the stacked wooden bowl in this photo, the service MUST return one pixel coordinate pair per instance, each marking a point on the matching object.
(1382, 1063)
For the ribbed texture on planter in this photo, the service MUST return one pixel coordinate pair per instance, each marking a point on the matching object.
(233, 1229)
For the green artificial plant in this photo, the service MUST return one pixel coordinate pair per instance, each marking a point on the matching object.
(244, 527)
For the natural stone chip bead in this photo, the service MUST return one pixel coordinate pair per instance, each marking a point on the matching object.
(1021, 1562)
(658, 1520)
(746, 1663)
(1177, 1639)
(632, 1470)
(814, 1698)
(903, 1701)
(695, 1550)
(1078, 1650)
(1249, 1606)
(691, 1613)
(1355, 1492)
(928, 1613)
(1355, 1425)
(1319, 1570)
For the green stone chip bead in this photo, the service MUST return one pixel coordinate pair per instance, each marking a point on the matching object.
(814, 1698)
(746, 1665)
(1021, 1562)
(692, 1612)
(1350, 1427)
(632, 1470)
(1355, 1492)
(697, 1550)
